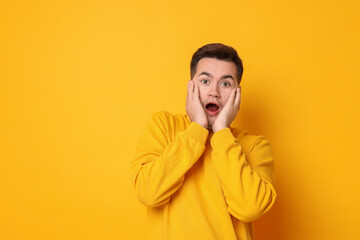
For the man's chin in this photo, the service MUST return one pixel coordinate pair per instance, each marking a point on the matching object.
(211, 121)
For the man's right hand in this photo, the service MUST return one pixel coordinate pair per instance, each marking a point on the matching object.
(194, 107)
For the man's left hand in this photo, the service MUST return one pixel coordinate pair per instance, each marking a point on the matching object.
(229, 112)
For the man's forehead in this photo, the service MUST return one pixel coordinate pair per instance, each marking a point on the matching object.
(224, 76)
(213, 67)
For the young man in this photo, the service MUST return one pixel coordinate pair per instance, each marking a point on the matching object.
(200, 178)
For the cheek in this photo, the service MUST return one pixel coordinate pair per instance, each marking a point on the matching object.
(202, 94)
(225, 95)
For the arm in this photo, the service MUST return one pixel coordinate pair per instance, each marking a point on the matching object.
(247, 179)
(160, 163)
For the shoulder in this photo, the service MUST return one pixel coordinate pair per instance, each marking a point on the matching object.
(165, 116)
(169, 121)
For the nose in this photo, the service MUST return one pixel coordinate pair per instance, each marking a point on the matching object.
(214, 91)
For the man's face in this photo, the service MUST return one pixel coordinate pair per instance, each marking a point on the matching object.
(216, 79)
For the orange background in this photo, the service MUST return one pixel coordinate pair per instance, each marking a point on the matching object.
(79, 80)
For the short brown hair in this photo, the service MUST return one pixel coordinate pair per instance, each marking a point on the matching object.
(220, 52)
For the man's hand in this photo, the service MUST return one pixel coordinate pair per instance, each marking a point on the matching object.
(194, 107)
(229, 112)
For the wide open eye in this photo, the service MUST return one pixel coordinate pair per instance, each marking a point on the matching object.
(205, 81)
(225, 84)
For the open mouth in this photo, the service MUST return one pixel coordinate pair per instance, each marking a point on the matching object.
(212, 107)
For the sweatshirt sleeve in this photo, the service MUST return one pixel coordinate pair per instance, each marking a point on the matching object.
(247, 179)
(161, 161)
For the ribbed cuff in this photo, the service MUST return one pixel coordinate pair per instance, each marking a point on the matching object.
(198, 132)
(221, 137)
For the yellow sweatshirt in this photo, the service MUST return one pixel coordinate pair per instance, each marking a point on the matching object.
(200, 185)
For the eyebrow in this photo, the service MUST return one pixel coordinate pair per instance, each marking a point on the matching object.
(222, 77)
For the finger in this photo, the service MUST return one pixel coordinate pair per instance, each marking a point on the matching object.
(191, 87)
(232, 96)
(189, 91)
(196, 91)
(238, 97)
